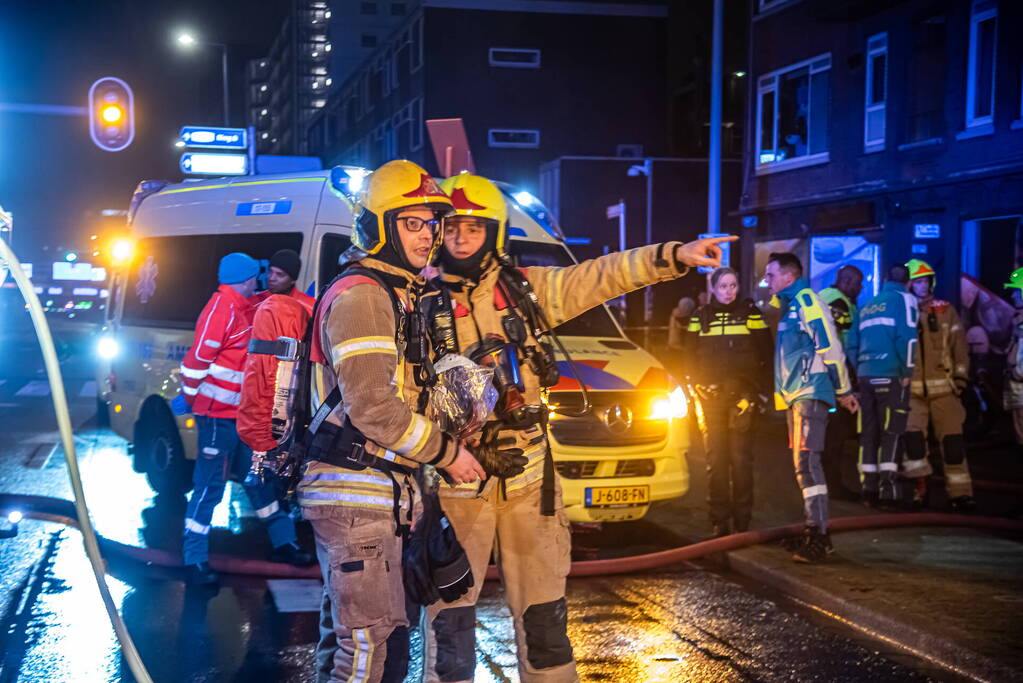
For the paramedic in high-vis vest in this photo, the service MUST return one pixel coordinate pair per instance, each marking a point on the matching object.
(359, 347)
(211, 374)
(940, 376)
(518, 512)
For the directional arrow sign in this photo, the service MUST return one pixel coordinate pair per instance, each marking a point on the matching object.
(200, 163)
(214, 138)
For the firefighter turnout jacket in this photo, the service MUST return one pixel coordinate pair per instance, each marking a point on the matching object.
(882, 341)
(563, 293)
(355, 347)
(211, 371)
(278, 315)
(943, 361)
(809, 362)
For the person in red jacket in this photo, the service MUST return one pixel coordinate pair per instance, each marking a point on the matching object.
(212, 373)
(284, 311)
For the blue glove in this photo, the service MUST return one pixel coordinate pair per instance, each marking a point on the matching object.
(179, 406)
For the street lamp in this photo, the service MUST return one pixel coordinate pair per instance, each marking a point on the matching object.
(187, 41)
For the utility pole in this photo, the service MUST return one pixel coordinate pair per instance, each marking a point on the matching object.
(714, 160)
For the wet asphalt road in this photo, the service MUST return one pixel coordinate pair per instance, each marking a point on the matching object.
(685, 623)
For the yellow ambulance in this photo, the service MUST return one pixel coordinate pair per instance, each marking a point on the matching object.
(626, 453)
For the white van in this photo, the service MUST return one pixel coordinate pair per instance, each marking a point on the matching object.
(628, 452)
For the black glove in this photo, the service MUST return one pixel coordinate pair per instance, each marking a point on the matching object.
(499, 456)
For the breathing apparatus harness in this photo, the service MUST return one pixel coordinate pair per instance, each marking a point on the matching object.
(522, 318)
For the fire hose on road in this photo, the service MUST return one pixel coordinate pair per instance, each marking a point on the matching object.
(62, 511)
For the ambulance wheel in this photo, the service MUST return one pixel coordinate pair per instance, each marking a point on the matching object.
(159, 453)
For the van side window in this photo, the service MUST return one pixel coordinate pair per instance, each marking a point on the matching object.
(331, 248)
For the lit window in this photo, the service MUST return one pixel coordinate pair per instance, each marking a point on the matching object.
(980, 82)
(514, 58)
(504, 137)
(263, 112)
(328, 47)
(326, 15)
(265, 136)
(262, 88)
(792, 115)
(329, 82)
(875, 93)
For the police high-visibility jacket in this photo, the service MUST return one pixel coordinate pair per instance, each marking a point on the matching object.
(355, 348)
(808, 361)
(729, 345)
(211, 371)
(882, 341)
(279, 315)
(943, 357)
(563, 293)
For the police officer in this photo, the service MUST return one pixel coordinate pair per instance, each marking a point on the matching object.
(727, 359)
(211, 375)
(841, 299)
(519, 514)
(357, 490)
(810, 374)
(940, 376)
(882, 346)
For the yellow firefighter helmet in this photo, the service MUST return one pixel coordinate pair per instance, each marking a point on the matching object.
(918, 268)
(473, 195)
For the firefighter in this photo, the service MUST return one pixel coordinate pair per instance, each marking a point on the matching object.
(841, 299)
(518, 513)
(282, 311)
(727, 357)
(882, 346)
(1014, 359)
(810, 375)
(939, 378)
(212, 375)
(357, 490)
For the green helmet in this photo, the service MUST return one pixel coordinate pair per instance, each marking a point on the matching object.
(1015, 280)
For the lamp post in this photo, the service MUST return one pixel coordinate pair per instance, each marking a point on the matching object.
(647, 169)
(188, 41)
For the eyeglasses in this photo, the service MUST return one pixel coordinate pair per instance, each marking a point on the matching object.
(415, 223)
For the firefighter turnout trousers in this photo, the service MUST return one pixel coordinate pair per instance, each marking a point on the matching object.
(363, 617)
(223, 455)
(808, 421)
(946, 413)
(533, 555)
(884, 410)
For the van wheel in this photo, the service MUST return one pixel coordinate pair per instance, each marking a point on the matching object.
(159, 453)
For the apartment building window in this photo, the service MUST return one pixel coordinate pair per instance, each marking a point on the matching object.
(925, 106)
(368, 8)
(508, 137)
(875, 93)
(514, 58)
(980, 84)
(407, 124)
(792, 115)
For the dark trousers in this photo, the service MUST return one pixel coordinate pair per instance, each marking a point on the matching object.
(884, 410)
(729, 448)
(842, 428)
(808, 420)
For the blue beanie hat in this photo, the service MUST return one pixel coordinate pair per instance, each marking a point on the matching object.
(237, 267)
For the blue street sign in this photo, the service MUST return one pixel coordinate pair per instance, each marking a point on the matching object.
(726, 252)
(927, 231)
(214, 138)
(201, 163)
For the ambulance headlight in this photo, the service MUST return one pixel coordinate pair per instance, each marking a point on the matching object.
(673, 406)
(14, 516)
(108, 348)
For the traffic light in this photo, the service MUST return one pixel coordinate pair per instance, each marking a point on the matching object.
(111, 114)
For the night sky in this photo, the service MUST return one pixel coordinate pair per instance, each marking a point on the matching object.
(51, 175)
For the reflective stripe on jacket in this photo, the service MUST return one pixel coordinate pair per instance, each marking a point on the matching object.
(355, 343)
(808, 360)
(882, 341)
(943, 357)
(212, 369)
(843, 311)
(563, 293)
(729, 346)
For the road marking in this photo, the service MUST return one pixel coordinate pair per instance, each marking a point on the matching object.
(88, 389)
(40, 456)
(36, 387)
(296, 595)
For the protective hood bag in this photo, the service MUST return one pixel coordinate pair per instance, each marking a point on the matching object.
(435, 564)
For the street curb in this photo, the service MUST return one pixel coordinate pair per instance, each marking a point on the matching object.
(945, 653)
